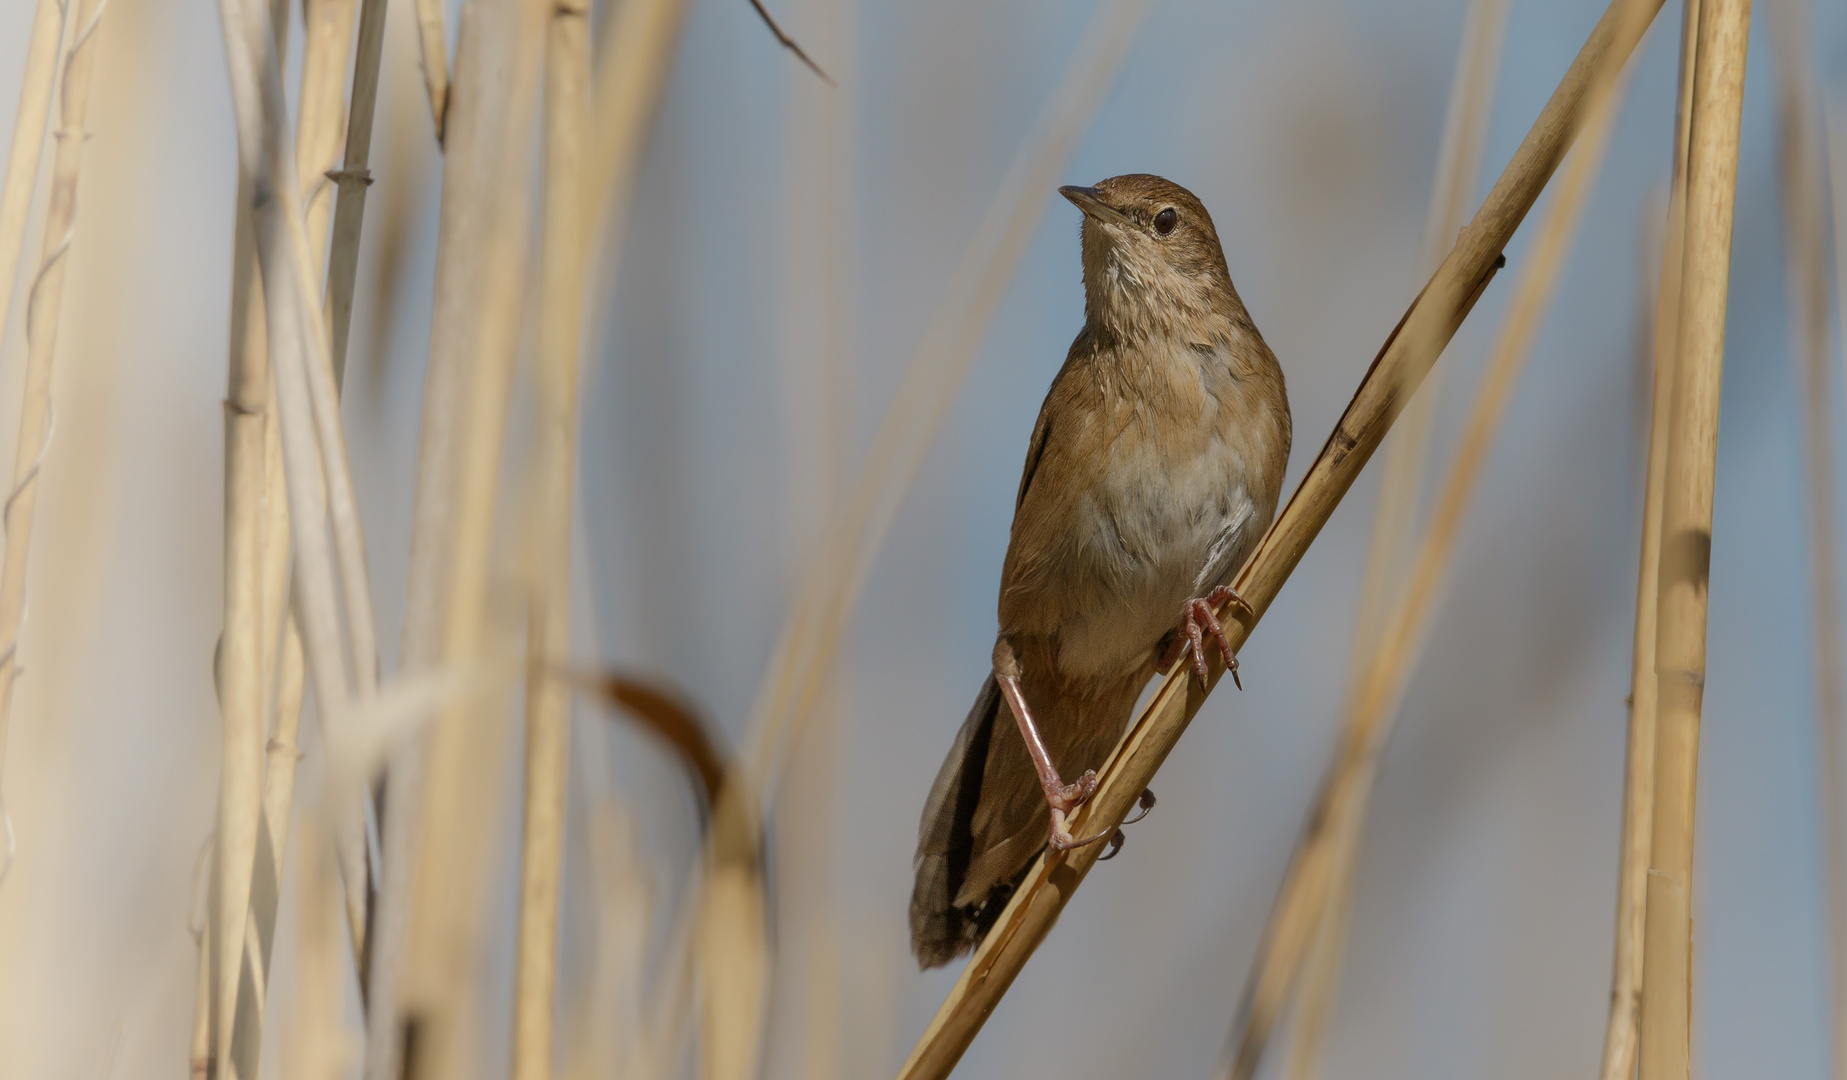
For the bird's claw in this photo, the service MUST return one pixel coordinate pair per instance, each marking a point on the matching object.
(1144, 804)
(1115, 845)
(1202, 619)
(1071, 796)
(1062, 840)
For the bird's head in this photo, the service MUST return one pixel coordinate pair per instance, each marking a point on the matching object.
(1151, 255)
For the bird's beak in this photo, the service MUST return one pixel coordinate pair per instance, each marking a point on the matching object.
(1091, 203)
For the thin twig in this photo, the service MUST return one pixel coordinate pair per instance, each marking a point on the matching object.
(1408, 353)
(788, 42)
(1686, 533)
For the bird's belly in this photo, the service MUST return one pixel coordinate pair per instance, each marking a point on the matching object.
(1139, 551)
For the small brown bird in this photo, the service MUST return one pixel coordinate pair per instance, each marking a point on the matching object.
(1154, 468)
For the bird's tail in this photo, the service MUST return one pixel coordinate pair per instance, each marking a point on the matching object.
(940, 930)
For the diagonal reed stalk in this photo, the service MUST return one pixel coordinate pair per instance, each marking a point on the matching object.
(548, 702)
(1408, 353)
(1325, 855)
(1686, 533)
(1458, 166)
(1622, 1029)
(1805, 211)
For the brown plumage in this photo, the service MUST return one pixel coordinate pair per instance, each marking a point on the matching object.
(1154, 467)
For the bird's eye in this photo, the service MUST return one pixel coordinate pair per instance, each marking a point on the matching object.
(1165, 221)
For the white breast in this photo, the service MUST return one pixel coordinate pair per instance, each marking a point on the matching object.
(1156, 533)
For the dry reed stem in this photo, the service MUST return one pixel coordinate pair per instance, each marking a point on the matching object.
(1458, 167)
(447, 788)
(1408, 353)
(1805, 211)
(44, 301)
(1686, 533)
(352, 180)
(1330, 842)
(22, 158)
(548, 703)
(1622, 1029)
(433, 54)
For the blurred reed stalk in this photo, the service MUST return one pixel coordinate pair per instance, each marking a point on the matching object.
(1622, 1028)
(44, 301)
(1686, 533)
(548, 701)
(1459, 156)
(445, 790)
(1408, 353)
(41, 69)
(1329, 845)
(1801, 169)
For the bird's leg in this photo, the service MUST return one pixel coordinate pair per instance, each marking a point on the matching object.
(1063, 797)
(1201, 618)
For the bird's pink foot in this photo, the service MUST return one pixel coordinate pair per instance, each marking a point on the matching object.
(1201, 619)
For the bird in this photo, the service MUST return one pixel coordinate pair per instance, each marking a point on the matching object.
(1152, 471)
